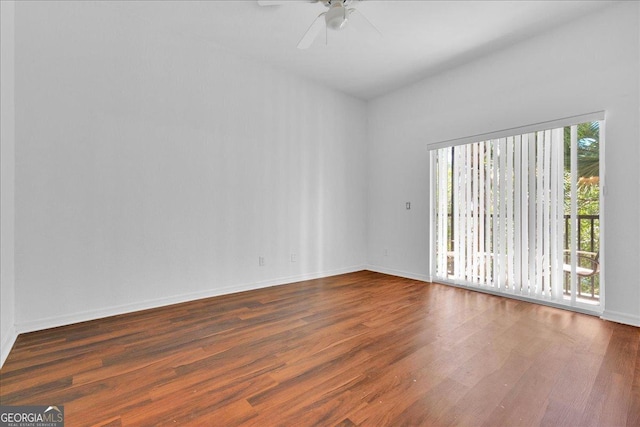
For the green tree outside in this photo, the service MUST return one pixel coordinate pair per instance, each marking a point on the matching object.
(588, 196)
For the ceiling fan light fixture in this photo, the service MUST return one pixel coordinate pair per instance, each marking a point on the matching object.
(336, 17)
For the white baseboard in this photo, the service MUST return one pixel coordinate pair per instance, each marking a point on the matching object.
(624, 318)
(8, 340)
(398, 273)
(53, 322)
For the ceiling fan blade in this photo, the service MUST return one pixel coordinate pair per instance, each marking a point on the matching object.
(361, 23)
(312, 32)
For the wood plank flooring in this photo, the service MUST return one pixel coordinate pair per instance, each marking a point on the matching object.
(362, 349)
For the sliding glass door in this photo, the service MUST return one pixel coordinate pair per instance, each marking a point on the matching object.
(520, 214)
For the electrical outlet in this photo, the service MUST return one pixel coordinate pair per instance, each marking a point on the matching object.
(386, 252)
(294, 257)
(260, 261)
(408, 205)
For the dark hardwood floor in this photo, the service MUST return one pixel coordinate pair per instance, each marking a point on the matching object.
(357, 349)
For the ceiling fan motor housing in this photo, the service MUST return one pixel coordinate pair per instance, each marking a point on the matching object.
(336, 16)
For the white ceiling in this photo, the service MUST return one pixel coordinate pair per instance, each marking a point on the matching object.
(419, 38)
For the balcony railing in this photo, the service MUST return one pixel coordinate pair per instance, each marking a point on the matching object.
(588, 240)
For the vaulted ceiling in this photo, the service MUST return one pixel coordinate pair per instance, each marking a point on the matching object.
(418, 38)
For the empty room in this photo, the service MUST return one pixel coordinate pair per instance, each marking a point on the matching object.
(320, 212)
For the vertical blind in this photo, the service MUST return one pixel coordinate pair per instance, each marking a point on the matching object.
(498, 216)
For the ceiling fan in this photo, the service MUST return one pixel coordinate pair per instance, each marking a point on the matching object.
(338, 15)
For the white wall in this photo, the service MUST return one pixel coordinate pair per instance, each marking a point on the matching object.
(152, 168)
(589, 65)
(7, 164)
